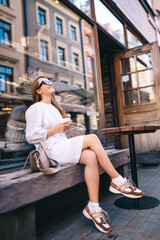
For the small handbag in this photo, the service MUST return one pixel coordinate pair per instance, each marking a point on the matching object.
(40, 160)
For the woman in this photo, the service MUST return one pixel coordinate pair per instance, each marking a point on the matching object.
(45, 121)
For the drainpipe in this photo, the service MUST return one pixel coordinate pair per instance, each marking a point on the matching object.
(83, 56)
(25, 24)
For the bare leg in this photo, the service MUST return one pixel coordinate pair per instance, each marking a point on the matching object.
(93, 143)
(91, 174)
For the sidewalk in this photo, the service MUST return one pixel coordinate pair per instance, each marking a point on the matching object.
(126, 224)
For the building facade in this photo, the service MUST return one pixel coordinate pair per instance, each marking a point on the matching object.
(102, 56)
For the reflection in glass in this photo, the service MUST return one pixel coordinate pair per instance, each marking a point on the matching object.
(5, 33)
(61, 56)
(74, 90)
(144, 61)
(109, 22)
(147, 95)
(41, 16)
(132, 40)
(43, 50)
(129, 81)
(131, 97)
(73, 33)
(75, 61)
(128, 65)
(83, 5)
(145, 78)
(59, 25)
(6, 78)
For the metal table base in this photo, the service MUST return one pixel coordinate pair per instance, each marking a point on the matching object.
(144, 202)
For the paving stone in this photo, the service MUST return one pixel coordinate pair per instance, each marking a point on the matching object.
(152, 218)
(146, 227)
(126, 224)
(120, 224)
(95, 235)
(135, 223)
(155, 233)
(112, 236)
(125, 233)
(140, 236)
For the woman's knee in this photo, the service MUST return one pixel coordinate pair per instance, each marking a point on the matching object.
(88, 157)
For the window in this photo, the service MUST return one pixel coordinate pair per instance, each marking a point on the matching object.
(73, 33)
(5, 2)
(5, 33)
(59, 25)
(87, 39)
(78, 85)
(75, 61)
(43, 50)
(61, 56)
(89, 61)
(83, 5)
(6, 77)
(41, 16)
(137, 79)
(91, 84)
(110, 23)
(62, 81)
(132, 40)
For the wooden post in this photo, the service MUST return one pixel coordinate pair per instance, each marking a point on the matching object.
(19, 224)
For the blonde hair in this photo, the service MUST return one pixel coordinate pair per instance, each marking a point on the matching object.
(37, 97)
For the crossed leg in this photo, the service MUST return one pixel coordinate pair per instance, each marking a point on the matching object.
(92, 154)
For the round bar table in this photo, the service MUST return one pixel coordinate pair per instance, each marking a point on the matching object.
(144, 202)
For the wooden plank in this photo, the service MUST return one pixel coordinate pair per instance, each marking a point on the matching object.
(35, 186)
(19, 224)
(110, 130)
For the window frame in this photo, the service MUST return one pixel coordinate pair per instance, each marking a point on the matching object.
(87, 37)
(75, 66)
(43, 10)
(63, 56)
(7, 1)
(7, 75)
(59, 26)
(73, 32)
(8, 31)
(138, 88)
(42, 57)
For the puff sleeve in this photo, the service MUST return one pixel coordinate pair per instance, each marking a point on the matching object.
(35, 132)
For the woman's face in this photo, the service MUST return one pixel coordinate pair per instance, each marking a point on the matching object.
(45, 87)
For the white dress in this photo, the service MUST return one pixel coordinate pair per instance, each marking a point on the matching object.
(42, 116)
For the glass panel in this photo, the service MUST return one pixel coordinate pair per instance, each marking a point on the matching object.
(6, 39)
(73, 33)
(129, 81)
(144, 61)
(1, 36)
(8, 70)
(109, 22)
(147, 95)
(128, 65)
(59, 26)
(131, 97)
(75, 89)
(145, 78)
(2, 83)
(83, 5)
(132, 40)
(2, 69)
(6, 26)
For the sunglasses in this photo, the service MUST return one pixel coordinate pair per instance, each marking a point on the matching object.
(45, 81)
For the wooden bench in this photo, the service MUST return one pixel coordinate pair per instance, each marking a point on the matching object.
(18, 196)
